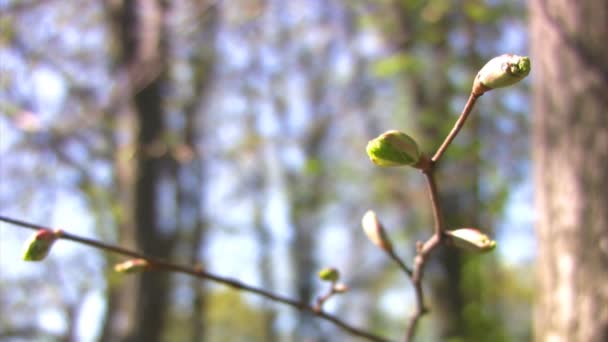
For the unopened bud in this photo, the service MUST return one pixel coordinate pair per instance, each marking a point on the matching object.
(39, 245)
(393, 148)
(375, 232)
(501, 71)
(329, 274)
(132, 266)
(340, 288)
(471, 239)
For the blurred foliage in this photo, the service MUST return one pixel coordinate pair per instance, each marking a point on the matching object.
(297, 90)
(229, 318)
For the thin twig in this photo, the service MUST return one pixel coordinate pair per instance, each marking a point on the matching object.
(400, 262)
(425, 249)
(434, 196)
(457, 126)
(159, 264)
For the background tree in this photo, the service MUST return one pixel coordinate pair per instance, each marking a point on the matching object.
(570, 154)
(256, 115)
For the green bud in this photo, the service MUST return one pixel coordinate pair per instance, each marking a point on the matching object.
(132, 266)
(39, 245)
(471, 239)
(501, 71)
(329, 274)
(375, 232)
(393, 148)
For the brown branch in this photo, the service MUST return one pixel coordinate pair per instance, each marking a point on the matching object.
(402, 265)
(323, 298)
(197, 272)
(436, 240)
(457, 126)
(434, 196)
(423, 251)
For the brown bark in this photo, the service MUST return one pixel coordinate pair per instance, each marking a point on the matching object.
(570, 82)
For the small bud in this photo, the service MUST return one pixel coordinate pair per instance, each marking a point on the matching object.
(39, 245)
(375, 232)
(329, 274)
(471, 239)
(393, 148)
(340, 288)
(132, 266)
(501, 71)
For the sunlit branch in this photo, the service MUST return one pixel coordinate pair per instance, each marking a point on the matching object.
(457, 126)
(162, 265)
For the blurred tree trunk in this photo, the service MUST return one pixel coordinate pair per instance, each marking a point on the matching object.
(306, 198)
(139, 27)
(191, 171)
(571, 177)
(120, 311)
(257, 184)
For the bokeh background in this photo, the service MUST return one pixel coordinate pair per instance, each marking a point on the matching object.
(232, 134)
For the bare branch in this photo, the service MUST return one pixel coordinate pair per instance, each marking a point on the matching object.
(457, 126)
(197, 272)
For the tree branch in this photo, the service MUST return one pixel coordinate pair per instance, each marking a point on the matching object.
(197, 272)
(437, 239)
(457, 126)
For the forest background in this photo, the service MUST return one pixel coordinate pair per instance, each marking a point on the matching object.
(231, 134)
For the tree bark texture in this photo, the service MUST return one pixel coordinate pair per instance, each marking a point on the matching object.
(570, 91)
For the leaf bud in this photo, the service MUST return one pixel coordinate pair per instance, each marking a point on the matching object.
(471, 239)
(393, 148)
(132, 266)
(501, 71)
(39, 245)
(375, 232)
(340, 288)
(329, 274)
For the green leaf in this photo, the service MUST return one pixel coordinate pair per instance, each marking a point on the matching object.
(393, 65)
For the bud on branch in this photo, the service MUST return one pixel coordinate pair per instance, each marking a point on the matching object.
(329, 274)
(132, 266)
(375, 232)
(39, 245)
(471, 240)
(393, 148)
(501, 71)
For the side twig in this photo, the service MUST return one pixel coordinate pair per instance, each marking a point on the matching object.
(197, 272)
